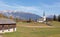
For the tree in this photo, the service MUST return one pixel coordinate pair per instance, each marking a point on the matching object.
(11, 17)
(59, 18)
(30, 20)
(3, 16)
(54, 17)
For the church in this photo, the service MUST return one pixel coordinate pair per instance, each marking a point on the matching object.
(43, 19)
(7, 25)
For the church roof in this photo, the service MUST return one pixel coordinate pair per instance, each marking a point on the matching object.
(6, 21)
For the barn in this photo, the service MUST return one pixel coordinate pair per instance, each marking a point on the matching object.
(7, 25)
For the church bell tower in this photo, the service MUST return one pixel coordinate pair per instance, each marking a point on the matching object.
(44, 16)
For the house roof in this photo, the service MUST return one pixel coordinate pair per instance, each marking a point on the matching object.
(6, 21)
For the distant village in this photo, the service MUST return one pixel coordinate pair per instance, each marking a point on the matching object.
(8, 24)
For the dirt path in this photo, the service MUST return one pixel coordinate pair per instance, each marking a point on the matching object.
(1, 35)
(40, 26)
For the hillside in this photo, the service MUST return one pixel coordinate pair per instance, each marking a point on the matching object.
(22, 15)
(2, 16)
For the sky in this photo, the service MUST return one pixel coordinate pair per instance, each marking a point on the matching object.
(50, 7)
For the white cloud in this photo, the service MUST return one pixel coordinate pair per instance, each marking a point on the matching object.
(30, 9)
(49, 9)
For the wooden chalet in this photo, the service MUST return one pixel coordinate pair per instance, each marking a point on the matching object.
(7, 25)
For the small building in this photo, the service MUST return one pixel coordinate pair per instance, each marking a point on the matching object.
(43, 19)
(7, 25)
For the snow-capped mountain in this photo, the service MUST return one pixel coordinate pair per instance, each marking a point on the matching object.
(21, 15)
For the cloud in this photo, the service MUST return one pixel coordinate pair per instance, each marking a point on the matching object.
(49, 9)
(31, 9)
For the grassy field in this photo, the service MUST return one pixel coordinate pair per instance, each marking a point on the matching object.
(55, 23)
(35, 31)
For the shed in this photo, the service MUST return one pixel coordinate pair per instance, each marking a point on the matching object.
(7, 25)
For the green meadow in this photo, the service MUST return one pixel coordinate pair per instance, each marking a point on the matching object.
(35, 31)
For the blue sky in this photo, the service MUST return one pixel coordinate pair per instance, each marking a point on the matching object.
(32, 6)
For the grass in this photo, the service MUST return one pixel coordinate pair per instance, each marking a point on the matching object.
(34, 32)
(55, 23)
(30, 24)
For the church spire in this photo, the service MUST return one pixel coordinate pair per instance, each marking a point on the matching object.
(44, 13)
(44, 17)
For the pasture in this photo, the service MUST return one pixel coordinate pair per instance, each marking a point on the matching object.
(23, 31)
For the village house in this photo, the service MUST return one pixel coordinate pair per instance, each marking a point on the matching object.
(7, 25)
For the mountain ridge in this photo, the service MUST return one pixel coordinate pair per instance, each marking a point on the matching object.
(22, 15)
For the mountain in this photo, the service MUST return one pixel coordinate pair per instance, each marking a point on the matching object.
(22, 15)
(50, 16)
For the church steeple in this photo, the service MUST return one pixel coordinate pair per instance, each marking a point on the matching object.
(44, 17)
(44, 13)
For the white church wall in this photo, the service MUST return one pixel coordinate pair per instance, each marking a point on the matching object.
(43, 18)
(39, 21)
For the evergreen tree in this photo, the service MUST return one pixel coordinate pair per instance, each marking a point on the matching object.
(11, 17)
(59, 18)
(16, 19)
(54, 17)
(30, 20)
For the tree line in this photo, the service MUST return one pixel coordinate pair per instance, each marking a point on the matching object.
(56, 18)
